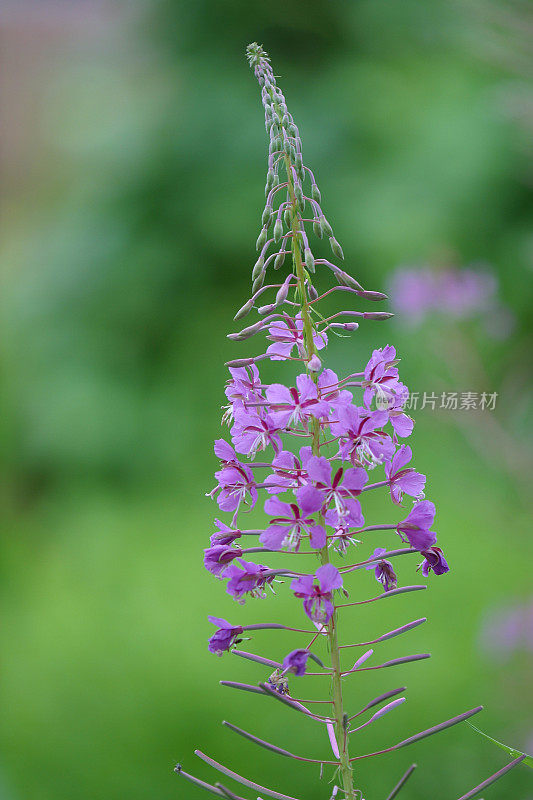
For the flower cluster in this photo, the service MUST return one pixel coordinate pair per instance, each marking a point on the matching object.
(307, 452)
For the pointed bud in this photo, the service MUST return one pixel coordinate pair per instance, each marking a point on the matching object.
(258, 282)
(292, 154)
(240, 362)
(275, 181)
(287, 217)
(373, 295)
(270, 177)
(377, 315)
(346, 280)
(315, 193)
(326, 227)
(278, 230)
(283, 293)
(266, 309)
(336, 248)
(314, 364)
(245, 310)
(267, 213)
(246, 332)
(317, 230)
(278, 261)
(261, 239)
(309, 260)
(312, 292)
(287, 147)
(258, 267)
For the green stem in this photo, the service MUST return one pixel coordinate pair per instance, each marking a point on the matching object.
(336, 687)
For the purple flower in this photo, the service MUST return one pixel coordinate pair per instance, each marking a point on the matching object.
(383, 570)
(381, 377)
(245, 385)
(342, 527)
(292, 522)
(254, 431)
(217, 558)
(288, 333)
(292, 407)
(416, 527)
(434, 560)
(296, 662)
(288, 472)
(236, 485)
(328, 383)
(224, 637)
(251, 579)
(224, 535)
(341, 488)
(318, 600)
(402, 479)
(362, 442)
(402, 423)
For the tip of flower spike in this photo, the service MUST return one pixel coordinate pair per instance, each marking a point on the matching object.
(254, 52)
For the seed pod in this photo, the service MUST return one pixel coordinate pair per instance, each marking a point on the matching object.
(278, 261)
(261, 239)
(336, 248)
(278, 230)
(326, 227)
(258, 267)
(317, 230)
(315, 193)
(309, 260)
(258, 282)
(245, 310)
(266, 216)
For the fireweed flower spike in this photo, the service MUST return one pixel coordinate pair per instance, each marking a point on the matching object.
(318, 435)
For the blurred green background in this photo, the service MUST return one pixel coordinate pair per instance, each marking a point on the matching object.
(133, 174)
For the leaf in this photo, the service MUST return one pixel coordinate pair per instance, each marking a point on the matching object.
(511, 750)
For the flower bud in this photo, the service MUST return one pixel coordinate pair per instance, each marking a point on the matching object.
(278, 261)
(270, 177)
(239, 362)
(278, 230)
(258, 267)
(315, 193)
(245, 310)
(326, 227)
(266, 309)
(336, 248)
(346, 280)
(285, 121)
(275, 181)
(246, 332)
(267, 214)
(367, 295)
(258, 282)
(287, 146)
(292, 153)
(261, 239)
(312, 292)
(287, 217)
(317, 230)
(377, 315)
(314, 364)
(309, 260)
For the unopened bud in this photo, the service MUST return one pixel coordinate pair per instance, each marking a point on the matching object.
(283, 291)
(309, 260)
(377, 315)
(287, 217)
(292, 154)
(278, 230)
(270, 177)
(245, 310)
(287, 146)
(278, 261)
(346, 280)
(261, 239)
(246, 332)
(312, 292)
(373, 295)
(314, 364)
(315, 193)
(285, 121)
(275, 181)
(267, 213)
(336, 248)
(317, 230)
(326, 227)
(258, 267)
(293, 130)
(266, 309)
(258, 282)
(239, 362)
